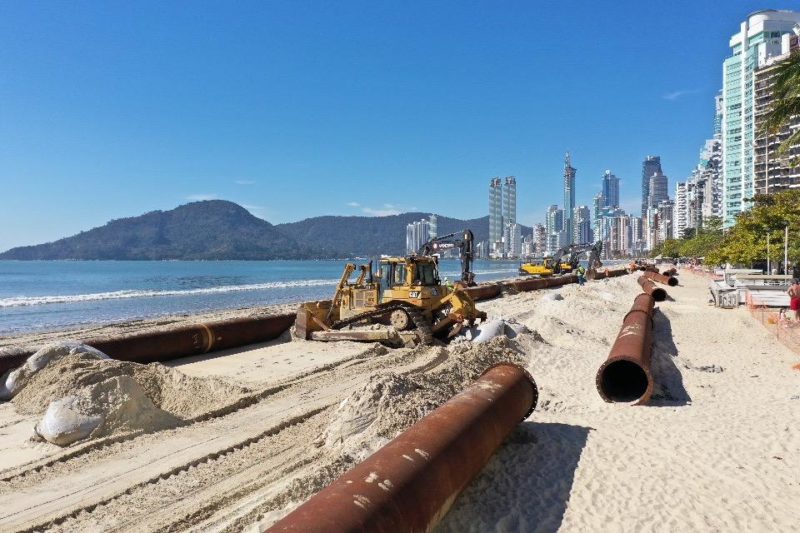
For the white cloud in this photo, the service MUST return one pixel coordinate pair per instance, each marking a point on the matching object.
(380, 212)
(353, 204)
(201, 197)
(674, 95)
(245, 182)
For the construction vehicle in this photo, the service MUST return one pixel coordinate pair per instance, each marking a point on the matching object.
(407, 294)
(565, 260)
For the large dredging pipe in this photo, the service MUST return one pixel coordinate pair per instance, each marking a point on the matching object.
(660, 278)
(194, 339)
(625, 376)
(650, 288)
(411, 483)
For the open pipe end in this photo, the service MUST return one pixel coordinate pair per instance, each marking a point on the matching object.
(658, 294)
(623, 381)
(672, 281)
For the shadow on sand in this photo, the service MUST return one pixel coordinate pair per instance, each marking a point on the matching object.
(668, 389)
(526, 485)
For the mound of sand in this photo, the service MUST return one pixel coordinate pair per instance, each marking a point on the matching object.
(183, 396)
(83, 394)
(390, 403)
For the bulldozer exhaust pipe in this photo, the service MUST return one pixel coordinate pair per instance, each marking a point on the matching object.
(650, 288)
(411, 483)
(660, 278)
(625, 376)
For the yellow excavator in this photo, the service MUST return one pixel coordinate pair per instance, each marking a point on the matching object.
(565, 260)
(407, 294)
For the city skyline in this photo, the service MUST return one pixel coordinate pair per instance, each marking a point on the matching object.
(290, 111)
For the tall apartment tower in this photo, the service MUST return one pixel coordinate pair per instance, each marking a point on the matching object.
(495, 212)
(758, 40)
(610, 190)
(774, 171)
(569, 197)
(510, 201)
(582, 232)
(659, 190)
(650, 166)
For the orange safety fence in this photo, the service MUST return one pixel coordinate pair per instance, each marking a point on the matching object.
(779, 322)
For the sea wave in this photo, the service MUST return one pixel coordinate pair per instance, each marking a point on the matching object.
(21, 301)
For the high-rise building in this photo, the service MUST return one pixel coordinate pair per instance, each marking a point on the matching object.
(513, 240)
(417, 234)
(774, 171)
(598, 203)
(495, 212)
(659, 190)
(433, 227)
(681, 208)
(758, 40)
(510, 200)
(582, 232)
(569, 196)
(618, 243)
(555, 226)
(539, 239)
(666, 220)
(610, 190)
(637, 243)
(650, 166)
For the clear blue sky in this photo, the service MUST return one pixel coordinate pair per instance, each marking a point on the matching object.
(296, 109)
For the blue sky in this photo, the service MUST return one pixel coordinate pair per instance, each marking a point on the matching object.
(297, 109)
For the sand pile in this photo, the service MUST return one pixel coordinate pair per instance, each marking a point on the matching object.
(390, 403)
(82, 394)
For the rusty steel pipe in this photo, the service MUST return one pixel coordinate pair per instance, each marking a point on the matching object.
(670, 271)
(660, 278)
(625, 376)
(484, 291)
(194, 339)
(411, 483)
(650, 288)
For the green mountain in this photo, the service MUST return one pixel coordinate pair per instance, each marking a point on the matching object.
(213, 229)
(217, 229)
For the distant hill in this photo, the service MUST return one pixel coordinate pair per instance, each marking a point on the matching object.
(366, 236)
(218, 229)
(213, 229)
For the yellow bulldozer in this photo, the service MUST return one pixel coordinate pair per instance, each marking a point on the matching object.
(407, 294)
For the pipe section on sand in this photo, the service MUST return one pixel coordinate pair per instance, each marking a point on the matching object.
(411, 483)
(625, 376)
(661, 278)
(195, 339)
(650, 288)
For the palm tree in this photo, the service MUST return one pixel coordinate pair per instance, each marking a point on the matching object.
(785, 101)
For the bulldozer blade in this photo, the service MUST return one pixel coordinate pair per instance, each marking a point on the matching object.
(360, 336)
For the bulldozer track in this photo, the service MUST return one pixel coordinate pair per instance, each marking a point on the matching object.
(420, 322)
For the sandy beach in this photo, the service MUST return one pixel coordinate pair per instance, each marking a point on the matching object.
(717, 448)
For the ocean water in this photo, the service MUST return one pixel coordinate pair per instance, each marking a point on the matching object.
(41, 295)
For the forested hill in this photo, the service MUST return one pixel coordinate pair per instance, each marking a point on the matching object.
(218, 229)
(367, 236)
(213, 229)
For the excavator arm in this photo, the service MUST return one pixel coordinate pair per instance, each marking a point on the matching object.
(464, 241)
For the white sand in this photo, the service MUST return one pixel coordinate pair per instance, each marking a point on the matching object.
(718, 449)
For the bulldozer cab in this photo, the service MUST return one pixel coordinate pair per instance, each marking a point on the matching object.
(406, 272)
